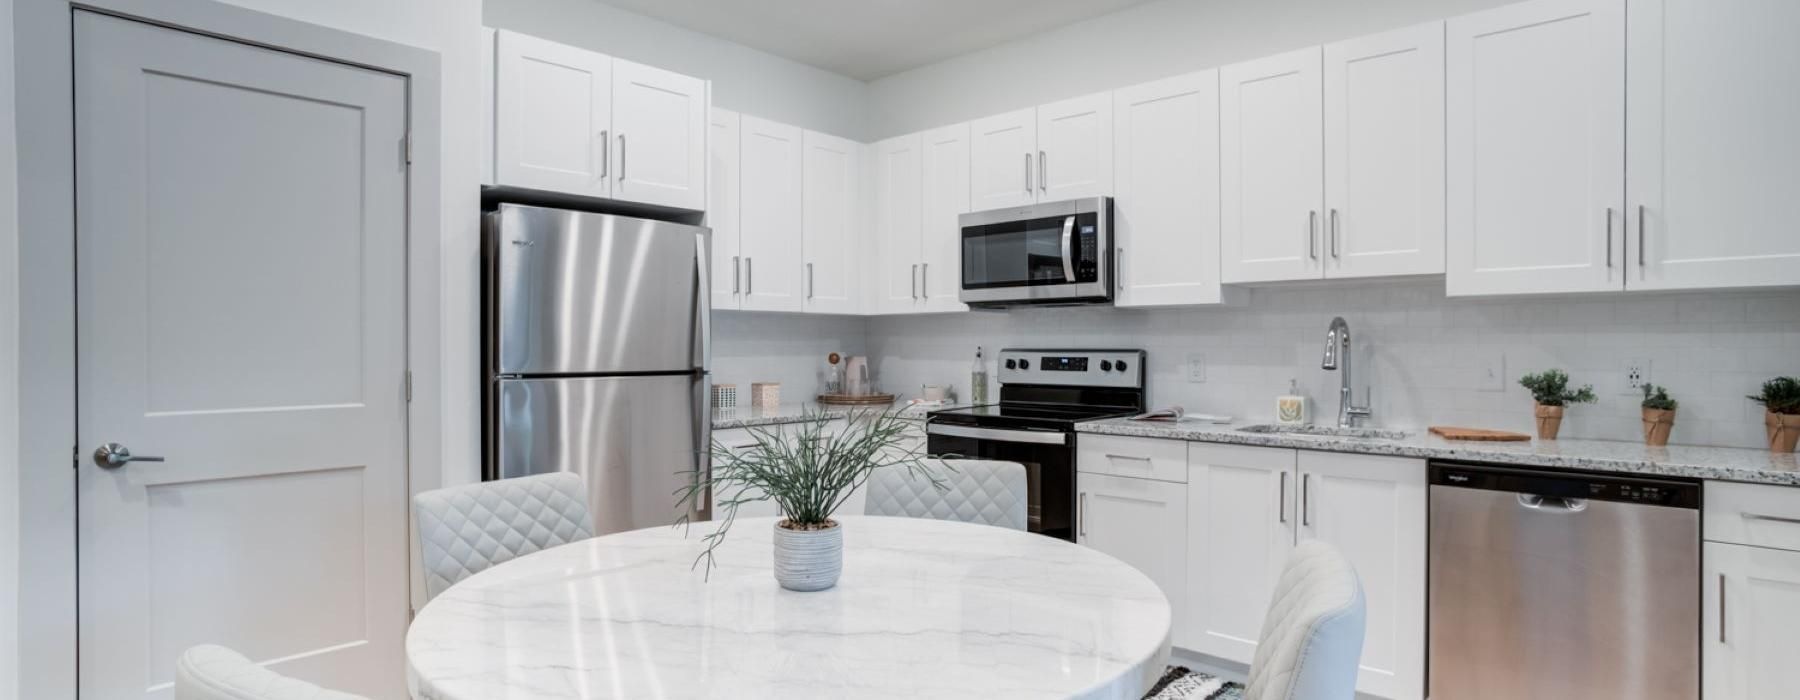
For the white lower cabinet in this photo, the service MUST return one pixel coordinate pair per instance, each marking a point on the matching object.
(1142, 522)
(1750, 611)
(1240, 527)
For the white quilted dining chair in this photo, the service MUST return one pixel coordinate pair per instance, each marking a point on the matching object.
(465, 529)
(979, 491)
(212, 672)
(1312, 637)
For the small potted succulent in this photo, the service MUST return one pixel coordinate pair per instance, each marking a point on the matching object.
(1550, 389)
(1659, 415)
(1780, 398)
(809, 473)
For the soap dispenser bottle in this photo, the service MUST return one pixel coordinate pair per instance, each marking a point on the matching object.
(1291, 408)
(978, 380)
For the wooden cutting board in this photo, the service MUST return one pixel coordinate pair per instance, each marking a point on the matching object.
(1477, 434)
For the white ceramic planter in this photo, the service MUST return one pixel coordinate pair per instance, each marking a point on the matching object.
(808, 560)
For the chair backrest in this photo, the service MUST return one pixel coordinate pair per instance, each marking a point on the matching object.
(980, 491)
(465, 529)
(211, 672)
(1313, 635)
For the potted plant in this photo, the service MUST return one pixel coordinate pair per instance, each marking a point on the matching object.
(1780, 398)
(1659, 415)
(809, 474)
(1550, 389)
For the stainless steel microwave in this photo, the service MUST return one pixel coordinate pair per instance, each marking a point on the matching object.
(1049, 253)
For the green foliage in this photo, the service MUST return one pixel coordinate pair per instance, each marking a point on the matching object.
(1657, 397)
(1551, 388)
(1780, 395)
(804, 470)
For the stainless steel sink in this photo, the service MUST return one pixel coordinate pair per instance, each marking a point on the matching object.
(1325, 431)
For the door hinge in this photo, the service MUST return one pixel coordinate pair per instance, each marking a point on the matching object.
(409, 386)
(406, 148)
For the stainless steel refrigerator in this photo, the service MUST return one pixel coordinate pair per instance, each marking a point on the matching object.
(596, 349)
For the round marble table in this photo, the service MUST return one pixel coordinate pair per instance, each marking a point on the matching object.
(925, 609)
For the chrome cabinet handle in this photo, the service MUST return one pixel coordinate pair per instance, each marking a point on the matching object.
(605, 154)
(913, 279)
(1306, 499)
(1027, 173)
(621, 157)
(736, 271)
(925, 280)
(113, 455)
(1135, 458)
(1281, 503)
(1119, 266)
(1640, 235)
(1068, 249)
(1335, 252)
(749, 282)
(1721, 608)
(1772, 518)
(1312, 234)
(1081, 515)
(809, 280)
(1043, 172)
(1609, 214)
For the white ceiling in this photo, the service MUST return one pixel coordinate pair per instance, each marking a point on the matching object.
(868, 39)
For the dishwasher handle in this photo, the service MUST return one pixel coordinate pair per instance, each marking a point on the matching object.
(1552, 504)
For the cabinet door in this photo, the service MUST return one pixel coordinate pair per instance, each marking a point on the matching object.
(1141, 522)
(1272, 161)
(1241, 521)
(769, 220)
(659, 148)
(1075, 148)
(946, 196)
(1712, 144)
(831, 171)
(1373, 510)
(722, 210)
(1535, 141)
(1002, 160)
(1750, 607)
(1384, 154)
(899, 204)
(553, 106)
(1166, 212)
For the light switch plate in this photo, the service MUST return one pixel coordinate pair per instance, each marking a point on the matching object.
(1490, 371)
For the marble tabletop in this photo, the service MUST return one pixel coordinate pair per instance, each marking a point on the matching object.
(1689, 461)
(925, 609)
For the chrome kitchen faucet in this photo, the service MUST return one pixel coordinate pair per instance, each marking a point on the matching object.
(1337, 341)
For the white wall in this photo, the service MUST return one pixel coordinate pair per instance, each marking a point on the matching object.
(744, 79)
(1153, 40)
(9, 369)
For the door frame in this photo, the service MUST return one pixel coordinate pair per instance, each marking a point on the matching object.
(48, 281)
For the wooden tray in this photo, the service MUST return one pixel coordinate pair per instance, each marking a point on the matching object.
(856, 399)
(1477, 434)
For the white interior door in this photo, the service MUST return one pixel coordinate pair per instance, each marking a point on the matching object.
(1002, 160)
(1535, 146)
(1075, 148)
(1166, 216)
(659, 152)
(1712, 145)
(1272, 163)
(1241, 524)
(552, 119)
(898, 208)
(831, 170)
(769, 233)
(946, 196)
(1384, 153)
(722, 210)
(242, 253)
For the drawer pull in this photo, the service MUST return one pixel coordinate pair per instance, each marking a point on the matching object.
(1134, 458)
(1772, 518)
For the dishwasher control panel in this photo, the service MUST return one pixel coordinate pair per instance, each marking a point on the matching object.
(1567, 484)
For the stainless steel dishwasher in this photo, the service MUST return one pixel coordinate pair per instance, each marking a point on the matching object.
(1558, 584)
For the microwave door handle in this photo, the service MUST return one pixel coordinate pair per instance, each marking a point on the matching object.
(1068, 241)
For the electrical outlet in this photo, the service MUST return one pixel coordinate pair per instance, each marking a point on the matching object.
(1196, 367)
(1637, 374)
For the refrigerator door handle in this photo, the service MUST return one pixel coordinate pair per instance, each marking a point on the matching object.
(703, 299)
(703, 501)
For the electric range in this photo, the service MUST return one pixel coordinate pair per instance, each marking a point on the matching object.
(1043, 394)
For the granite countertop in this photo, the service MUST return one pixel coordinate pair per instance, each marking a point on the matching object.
(750, 417)
(1717, 463)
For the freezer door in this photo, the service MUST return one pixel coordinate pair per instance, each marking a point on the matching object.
(583, 293)
(635, 440)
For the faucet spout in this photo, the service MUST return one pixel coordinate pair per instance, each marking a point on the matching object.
(1337, 357)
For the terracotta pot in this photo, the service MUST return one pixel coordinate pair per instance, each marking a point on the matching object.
(1549, 421)
(1658, 422)
(1784, 430)
(808, 560)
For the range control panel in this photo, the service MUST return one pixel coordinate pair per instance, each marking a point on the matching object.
(1103, 368)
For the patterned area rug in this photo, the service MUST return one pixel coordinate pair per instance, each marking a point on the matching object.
(1183, 683)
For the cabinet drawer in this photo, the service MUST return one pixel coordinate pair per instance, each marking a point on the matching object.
(1753, 514)
(1142, 458)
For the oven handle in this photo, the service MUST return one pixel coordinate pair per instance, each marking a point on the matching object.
(1068, 249)
(1034, 437)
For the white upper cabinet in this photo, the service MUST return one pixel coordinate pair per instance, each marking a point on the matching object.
(722, 210)
(832, 168)
(659, 123)
(1002, 157)
(1536, 147)
(1272, 161)
(946, 198)
(1075, 148)
(1166, 207)
(553, 116)
(1384, 154)
(1241, 524)
(1713, 148)
(769, 220)
(899, 205)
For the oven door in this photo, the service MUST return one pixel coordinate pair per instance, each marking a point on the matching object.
(1049, 459)
(1055, 252)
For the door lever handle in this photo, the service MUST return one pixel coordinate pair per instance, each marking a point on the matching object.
(113, 455)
